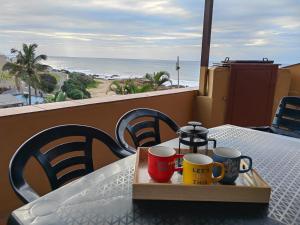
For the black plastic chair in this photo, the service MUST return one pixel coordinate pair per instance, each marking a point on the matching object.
(144, 133)
(287, 118)
(33, 146)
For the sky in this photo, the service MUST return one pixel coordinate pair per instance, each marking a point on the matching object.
(156, 29)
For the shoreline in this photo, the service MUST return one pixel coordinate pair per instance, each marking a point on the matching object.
(105, 81)
(112, 77)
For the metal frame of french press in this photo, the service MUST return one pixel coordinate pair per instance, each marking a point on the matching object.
(202, 139)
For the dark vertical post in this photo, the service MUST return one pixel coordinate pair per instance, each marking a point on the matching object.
(206, 37)
(177, 68)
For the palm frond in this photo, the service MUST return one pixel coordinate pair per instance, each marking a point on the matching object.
(158, 79)
(164, 80)
(13, 51)
(161, 78)
(12, 67)
(20, 58)
(32, 50)
(149, 76)
(26, 49)
(34, 46)
(39, 58)
(145, 88)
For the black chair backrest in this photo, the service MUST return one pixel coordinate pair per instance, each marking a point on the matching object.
(287, 117)
(144, 133)
(33, 146)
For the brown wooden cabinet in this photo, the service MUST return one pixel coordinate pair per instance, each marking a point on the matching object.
(251, 93)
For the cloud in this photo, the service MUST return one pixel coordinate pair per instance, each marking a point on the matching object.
(185, 35)
(163, 7)
(103, 36)
(58, 35)
(152, 29)
(257, 42)
(268, 33)
(287, 22)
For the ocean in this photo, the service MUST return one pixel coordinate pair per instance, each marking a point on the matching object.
(128, 68)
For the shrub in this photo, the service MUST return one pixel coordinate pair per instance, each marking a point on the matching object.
(49, 98)
(48, 83)
(75, 88)
(58, 97)
(70, 85)
(87, 81)
(76, 94)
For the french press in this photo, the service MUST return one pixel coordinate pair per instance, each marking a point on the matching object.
(195, 136)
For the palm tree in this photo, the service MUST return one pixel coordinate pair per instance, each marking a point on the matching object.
(27, 66)
(129, 86)
(158, 79)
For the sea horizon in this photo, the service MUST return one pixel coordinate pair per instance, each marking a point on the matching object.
(128, 68)
(145, 59)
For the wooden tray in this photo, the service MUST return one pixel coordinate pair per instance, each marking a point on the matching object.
(249, 187)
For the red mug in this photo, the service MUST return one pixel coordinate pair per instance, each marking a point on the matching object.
(161, 163)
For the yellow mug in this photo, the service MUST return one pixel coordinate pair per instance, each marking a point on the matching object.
(197, 169)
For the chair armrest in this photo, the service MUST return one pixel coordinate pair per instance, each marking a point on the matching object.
(26, 193)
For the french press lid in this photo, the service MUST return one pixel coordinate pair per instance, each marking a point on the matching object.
(193, 129)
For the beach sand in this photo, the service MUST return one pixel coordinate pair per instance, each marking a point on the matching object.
(101, 90)
(3, 60)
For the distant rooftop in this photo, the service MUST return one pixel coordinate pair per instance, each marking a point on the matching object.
(8, 100)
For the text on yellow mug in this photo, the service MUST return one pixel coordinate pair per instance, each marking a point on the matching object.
(197, 169)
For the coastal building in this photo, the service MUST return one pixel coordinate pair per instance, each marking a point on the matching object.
(295, 76)
(8, 100)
